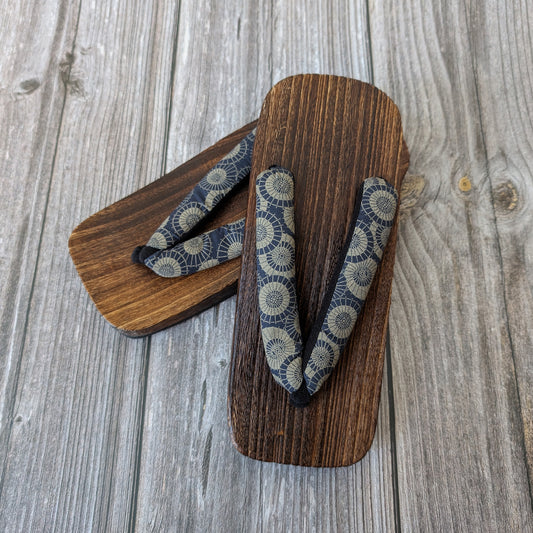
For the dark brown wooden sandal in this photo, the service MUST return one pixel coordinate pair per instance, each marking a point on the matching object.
(330, 134)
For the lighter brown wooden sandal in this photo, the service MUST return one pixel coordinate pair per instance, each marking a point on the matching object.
(331, 133)
(132, 298)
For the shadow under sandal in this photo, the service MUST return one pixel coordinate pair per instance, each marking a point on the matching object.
(316, 274)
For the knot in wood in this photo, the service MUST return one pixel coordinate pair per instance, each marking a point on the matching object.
(505, 197)
(411, 191)
(464, 184)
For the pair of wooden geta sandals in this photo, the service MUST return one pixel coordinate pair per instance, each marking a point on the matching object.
(325, 159)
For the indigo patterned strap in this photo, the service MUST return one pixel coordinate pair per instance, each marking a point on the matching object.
(276, 280)
(205, 196)
(205, 251)
(167, 255)
(303, 373)
(378, 205)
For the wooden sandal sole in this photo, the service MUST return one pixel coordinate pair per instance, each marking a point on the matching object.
(331, 133)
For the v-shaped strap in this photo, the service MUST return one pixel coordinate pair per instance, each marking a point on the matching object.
(169, 253)
(302, 370)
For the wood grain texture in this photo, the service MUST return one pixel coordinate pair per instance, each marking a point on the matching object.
(102, 433)
(193, 479)
(459, 433)
(31, 101)
(505, 92)
(76, 402)
(131, 297)
(332, 133)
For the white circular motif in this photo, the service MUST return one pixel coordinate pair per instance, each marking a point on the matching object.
(282, 256)
(234, 249)
(167, 267)
(274, 298)
(212, 198)
(278, 346)
(158, 240)
(279, 260)
(340, 321)
(279, 186)
(292, 375)
(264, 232)
(321, 363)
(194, 246)
(361, 244)
(382, 236)
(189, 218)
(382, 204)
(216, 176)
(324, 354)
(208, 264)
(359, 277)
(231, 244)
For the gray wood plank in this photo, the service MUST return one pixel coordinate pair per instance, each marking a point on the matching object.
(504, 76)
(326, 37)
(31, 101)
(192, 479)
(78, 404)
(460, 442)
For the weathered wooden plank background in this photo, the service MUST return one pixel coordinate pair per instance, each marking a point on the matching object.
(99, 432)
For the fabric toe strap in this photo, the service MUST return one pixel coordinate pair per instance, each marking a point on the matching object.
(169, 253)
(276, 276)
(302, 369)
(198, 253)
